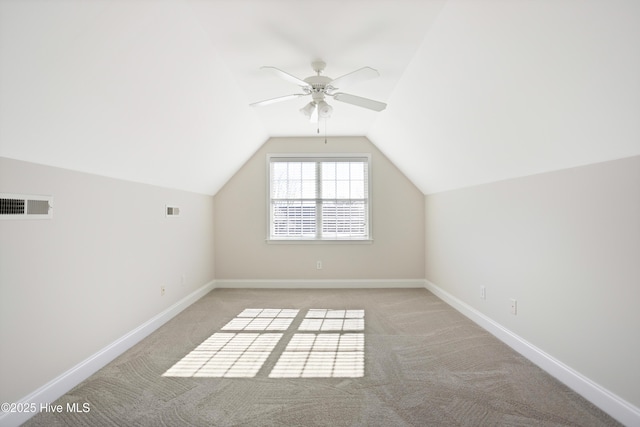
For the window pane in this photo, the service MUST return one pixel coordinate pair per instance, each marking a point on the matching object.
(342, 170)
(294, 190)
(293, 219)
(295, 170)
(293, 180)
(357, 189)
(328, 189)
(278, 171)
(357, 171)
(279, 189)
(309, 170)
(308, 189)
(344, 219)
(328, 170)
(342, 189)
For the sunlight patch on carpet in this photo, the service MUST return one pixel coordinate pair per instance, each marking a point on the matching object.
(322, 356)
(226, 355)
(256, 319)
(333, 320)
(334, 351)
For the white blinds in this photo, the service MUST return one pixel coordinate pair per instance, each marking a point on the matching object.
(319, 198)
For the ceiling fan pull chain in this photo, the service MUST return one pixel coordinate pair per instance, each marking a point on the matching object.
(325, 131)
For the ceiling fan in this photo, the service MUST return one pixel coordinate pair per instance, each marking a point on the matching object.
(318, 87)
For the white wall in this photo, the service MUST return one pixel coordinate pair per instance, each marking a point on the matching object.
(397, 217)
(71, 285)
(566, 245)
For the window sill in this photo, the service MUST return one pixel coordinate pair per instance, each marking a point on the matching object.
(319, 242)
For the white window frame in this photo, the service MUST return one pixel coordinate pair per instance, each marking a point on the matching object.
(317, 158)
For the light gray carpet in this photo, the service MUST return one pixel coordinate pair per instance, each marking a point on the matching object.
(424, 365)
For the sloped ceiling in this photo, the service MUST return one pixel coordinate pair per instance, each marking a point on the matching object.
(501, 89)
(477, 91)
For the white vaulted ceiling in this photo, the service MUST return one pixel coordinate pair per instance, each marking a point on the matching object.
(157, 91)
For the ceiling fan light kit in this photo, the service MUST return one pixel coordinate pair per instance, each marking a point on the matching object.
(308, 109)
(324, 109)
(319, 87)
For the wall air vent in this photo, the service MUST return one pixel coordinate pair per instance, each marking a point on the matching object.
(172, 211)
(20, 206)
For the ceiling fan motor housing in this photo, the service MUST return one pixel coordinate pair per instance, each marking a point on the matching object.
(318, 83)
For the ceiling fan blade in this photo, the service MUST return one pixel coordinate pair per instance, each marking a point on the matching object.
(278, 99)
(357, 76)
(288, 77)
(360, 101)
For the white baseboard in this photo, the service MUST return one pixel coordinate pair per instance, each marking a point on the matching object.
(320, 283)
(60, 385)
(615, 406)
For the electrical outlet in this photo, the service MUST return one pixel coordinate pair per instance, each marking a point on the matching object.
(483, 292)
(514, 306)
(319, 265)
(161, 291)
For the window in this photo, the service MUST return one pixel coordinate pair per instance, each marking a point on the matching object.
(315, 198)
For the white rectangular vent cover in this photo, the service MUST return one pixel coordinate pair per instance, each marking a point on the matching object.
(21, 206)
(172, 211)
